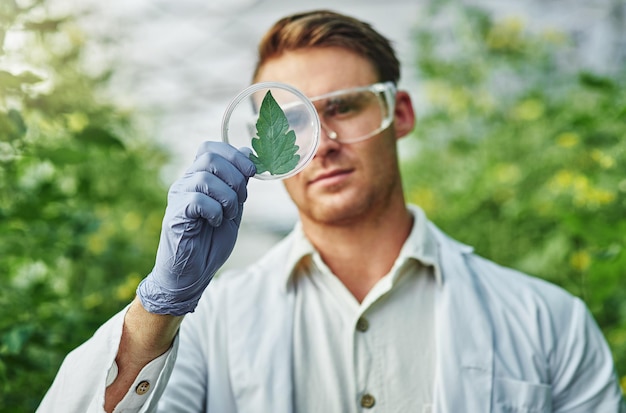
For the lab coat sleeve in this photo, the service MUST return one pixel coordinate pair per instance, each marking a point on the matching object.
(204, 349)
(584, 377)
(79, 386)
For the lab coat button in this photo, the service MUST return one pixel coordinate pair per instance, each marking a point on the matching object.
(367, 401)
(362, 325)
(142, 388)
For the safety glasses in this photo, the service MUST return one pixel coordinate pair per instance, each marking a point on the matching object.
(351, 115)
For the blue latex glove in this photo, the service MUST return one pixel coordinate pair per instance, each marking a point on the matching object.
(199, 229)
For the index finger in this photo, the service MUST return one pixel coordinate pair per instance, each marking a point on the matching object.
(231, 154)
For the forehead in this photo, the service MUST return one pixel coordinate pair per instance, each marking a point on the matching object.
(316, 71)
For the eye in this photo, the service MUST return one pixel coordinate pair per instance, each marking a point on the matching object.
(297, 118)
(345, 106)
(337, 107)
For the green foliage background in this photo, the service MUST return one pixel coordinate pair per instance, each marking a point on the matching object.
(80, 201)
(522, 154)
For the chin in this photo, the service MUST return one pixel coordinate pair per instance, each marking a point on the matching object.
(336, 213)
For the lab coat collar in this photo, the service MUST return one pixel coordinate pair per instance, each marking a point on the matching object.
(421, 246)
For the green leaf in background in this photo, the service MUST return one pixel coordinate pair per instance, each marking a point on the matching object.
(80, 200)
(275, 146)
(15, 339)
(11, 82)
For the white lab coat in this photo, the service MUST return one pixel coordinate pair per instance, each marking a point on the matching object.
(506, 342)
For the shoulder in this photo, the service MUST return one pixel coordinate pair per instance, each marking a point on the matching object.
(514, 284)
(517, 304)
(513, 289)
(530, 312)
(497, 283)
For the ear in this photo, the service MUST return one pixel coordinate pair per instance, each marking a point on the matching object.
(404, 116)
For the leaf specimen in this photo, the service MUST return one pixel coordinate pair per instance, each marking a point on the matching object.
(275, 146)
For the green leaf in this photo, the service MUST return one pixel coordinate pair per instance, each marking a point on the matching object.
(14, 340)
(595, 81)
(12, 125)
(47, 25)
(99, 136)
(11, 83)
(275, 146)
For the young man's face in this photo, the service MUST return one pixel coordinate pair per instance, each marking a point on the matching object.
(344, 181)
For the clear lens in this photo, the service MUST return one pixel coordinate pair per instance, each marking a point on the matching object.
(298, 117)
(356, 114)
(239, 124)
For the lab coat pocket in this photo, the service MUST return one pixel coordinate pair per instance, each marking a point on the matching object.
(515, 396)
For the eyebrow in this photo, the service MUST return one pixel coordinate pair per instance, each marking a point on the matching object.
(339, 92)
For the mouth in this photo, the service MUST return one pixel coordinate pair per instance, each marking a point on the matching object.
(330, 177)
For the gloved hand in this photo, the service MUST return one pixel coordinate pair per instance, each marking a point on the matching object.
(199, 229)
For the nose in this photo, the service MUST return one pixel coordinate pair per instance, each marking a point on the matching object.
(331, 134)
(328, 141)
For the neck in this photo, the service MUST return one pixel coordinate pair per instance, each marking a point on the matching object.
(362, 252)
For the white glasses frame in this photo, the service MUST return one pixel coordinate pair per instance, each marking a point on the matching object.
(382, 90)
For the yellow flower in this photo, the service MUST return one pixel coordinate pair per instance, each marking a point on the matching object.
(514, 24)
(604, 160)
(126, 291)
(131, 221)
(580, 189)
(567, 139)
(96, 243)
(554, 36)
(506, 173)
(594, 197)
(529, 109)
(92, 300)
(507, 35)
(76, 121)
(580, 260)
(425, 198)
(562, 180)
(453, 99)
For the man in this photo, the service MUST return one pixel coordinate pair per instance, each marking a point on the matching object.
(364, 306)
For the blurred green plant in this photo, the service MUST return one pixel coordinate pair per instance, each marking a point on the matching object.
(522, 154)
(80, 200)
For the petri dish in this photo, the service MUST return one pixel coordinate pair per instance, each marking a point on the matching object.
(285, 155)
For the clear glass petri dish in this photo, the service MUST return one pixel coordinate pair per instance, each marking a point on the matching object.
(240, 128)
